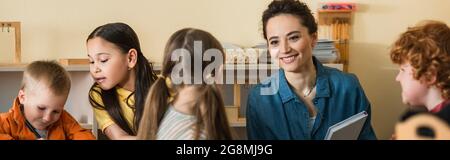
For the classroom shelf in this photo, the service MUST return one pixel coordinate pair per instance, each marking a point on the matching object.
(241, 122)
(337, 25)
(335, 11)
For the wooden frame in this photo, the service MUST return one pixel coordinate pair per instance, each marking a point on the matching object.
(74, 61)
(17, 37)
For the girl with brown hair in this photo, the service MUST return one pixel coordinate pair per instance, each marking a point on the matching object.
(175, 107)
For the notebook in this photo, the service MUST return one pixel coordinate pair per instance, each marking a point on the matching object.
(347, 129)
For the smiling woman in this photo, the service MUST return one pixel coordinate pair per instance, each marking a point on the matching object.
(309, 97)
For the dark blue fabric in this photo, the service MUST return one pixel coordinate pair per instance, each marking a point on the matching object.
(283, 116)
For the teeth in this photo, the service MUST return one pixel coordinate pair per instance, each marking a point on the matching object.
(100, 80)
(288, 59)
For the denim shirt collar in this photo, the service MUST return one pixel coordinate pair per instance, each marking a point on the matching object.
(322, 83)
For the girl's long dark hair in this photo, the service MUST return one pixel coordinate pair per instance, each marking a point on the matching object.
(124, 37)
(213, 120)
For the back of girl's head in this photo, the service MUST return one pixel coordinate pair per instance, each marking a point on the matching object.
(125, 38)
(292, 7)
(214, 120)
(426, 47)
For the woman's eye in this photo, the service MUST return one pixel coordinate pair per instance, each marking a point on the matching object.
(41, 108)
(273, 43)
(294, 38)
(103, 61)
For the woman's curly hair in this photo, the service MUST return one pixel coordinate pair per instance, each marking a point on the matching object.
(427, 48)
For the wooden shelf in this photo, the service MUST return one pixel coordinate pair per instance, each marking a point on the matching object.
(21, 68)
(12, 67)
(69, 68)
(336, 25)
(82, 68)
(74, 61)
(335, 11)
(241, 122)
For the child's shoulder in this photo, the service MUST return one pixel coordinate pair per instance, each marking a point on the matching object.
(66, 117)
(11, 121)
(4, 117)
(66, 120)
(13, 113)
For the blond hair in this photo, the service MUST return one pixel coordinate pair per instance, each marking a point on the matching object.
(50, 73)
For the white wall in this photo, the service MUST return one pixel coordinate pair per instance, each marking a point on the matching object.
(58, 29)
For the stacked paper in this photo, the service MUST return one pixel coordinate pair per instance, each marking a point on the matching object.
(325, 51)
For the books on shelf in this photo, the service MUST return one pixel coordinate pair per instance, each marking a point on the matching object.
(236, 54)
(325, 51)
(333, 6)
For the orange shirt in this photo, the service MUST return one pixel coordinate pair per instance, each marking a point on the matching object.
(13, 127)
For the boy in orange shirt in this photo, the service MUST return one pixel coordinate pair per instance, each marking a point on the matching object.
(38, 111)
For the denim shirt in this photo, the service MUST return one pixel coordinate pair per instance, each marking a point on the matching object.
(283, 116)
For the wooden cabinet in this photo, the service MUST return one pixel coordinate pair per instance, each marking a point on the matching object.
(336, 26)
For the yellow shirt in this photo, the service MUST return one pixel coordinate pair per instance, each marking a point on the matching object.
(102, 116)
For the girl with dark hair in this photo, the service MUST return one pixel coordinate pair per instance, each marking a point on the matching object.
(122, 77)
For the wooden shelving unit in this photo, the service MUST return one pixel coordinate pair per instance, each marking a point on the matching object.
(339, 23)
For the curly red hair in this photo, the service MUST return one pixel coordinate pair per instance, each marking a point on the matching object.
(426, 47)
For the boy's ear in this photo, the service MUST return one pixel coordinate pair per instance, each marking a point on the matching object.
(431, 79)
(132, 58)
(21, 96)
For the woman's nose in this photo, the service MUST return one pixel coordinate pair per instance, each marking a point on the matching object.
(284, 47)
